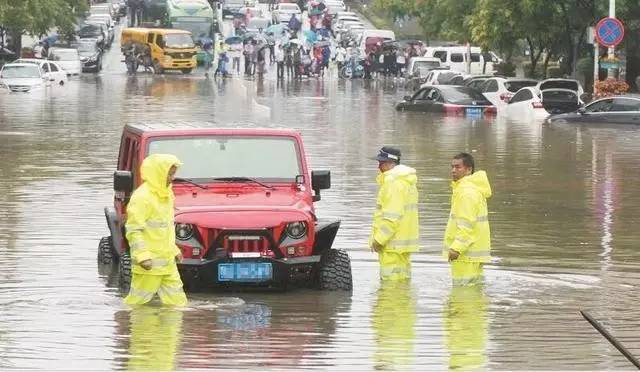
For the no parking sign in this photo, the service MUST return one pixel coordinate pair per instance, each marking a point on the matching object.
(609, 32)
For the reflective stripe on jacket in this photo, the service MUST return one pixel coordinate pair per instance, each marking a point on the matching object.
(468, 226)
(149, 226)
(395, 221)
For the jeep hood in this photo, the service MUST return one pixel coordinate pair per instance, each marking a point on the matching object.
(243, 210)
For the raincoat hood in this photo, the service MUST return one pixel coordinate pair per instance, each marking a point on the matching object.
(401, 172)
(477, 180)
(154, 170)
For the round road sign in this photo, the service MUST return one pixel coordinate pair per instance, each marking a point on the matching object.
(609, 32)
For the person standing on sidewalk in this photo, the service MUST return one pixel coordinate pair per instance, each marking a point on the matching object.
(395, 231)
(467, 240)
(279, 54)
(151, 235)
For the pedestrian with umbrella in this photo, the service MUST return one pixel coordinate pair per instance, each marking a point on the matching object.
(235, 51)
(294, 25)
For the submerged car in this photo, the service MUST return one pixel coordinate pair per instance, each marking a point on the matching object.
(23, 78)
(532, 103)
(448, 99)
(68, 58)
(610, 110)
(50, 69)
(90, 55)
(244, 208)
(500, 90)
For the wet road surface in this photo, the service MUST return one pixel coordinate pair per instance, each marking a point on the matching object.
(563, 226)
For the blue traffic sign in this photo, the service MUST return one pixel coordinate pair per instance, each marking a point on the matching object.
(609, 32)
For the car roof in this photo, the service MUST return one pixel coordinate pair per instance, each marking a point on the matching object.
(199, 128)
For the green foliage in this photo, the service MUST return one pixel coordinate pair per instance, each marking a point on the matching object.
(505, 69)
(37, 17)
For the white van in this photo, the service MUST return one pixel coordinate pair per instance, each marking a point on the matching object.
(456, 57)
(369, 34)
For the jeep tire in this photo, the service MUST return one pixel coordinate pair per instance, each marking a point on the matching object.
(105, 250)
(334, 273)
(124, 272)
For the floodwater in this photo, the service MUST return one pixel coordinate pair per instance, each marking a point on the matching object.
(563, 220)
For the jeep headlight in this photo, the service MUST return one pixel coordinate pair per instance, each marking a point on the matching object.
(167, 59)
(184, 231)
(296, 230)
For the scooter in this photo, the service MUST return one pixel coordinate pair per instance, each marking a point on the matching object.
(352, 70)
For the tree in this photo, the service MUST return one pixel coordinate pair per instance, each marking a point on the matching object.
(38, 17)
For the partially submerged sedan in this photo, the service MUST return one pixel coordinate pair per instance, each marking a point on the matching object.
(610, 110)
(533, 103)
(448, 99)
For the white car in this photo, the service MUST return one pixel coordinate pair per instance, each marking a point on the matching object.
(102, 18)
(533, 103)
(22, 78)
(51, 70)
(440, 76)
(283, 12)
(562, 84)
(337, 21)
(67, 58)
(500, 90)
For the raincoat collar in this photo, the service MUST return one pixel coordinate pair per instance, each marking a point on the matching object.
(154, 170)
(477, 180)
(400, 171)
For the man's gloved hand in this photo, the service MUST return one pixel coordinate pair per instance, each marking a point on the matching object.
(146, 264)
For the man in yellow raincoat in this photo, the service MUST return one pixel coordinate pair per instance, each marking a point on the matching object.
(151, 235)
(395, 222)
(467, 240)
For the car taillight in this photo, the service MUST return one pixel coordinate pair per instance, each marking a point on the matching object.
(537, 105)
(453, 109)
(506, 97)
(490, 110)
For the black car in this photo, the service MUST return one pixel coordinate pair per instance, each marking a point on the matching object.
(90, 55)
(448, 99)
(93, 31)
(610, 110)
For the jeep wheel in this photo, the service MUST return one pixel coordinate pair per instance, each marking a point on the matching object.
(124, 272)
(335, 271)
(105, 250)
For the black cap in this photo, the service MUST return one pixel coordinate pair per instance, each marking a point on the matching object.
(389, 154)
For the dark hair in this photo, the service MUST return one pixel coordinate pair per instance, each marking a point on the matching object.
(467, 160)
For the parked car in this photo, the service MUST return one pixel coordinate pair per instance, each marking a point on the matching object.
(532, 103)
(448, 99)
(94, 31)
(231, 7)
(90, 55)
(562, 84)
(439, 76)
(50, 70)
(475, 81)
(102, 18)
(110, 33)
(500, 90)
(23, 78)
(283, 12)
(67, 58)
(417, 70)
(337, 22)
(610, 110)
(241, 218)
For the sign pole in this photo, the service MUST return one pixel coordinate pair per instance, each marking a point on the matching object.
(596, 59)
(612, 50)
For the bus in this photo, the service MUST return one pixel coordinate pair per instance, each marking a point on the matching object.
(195, 16)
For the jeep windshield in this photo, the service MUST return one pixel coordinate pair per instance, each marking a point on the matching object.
(228, 158)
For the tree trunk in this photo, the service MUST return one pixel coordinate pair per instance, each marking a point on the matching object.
(16, 41)
(545, 64)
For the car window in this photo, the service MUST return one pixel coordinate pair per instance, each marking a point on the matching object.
(160, 41)
(475, 57)
(45, 67)
(457, 57)
(625, 104)
(442, 54)
(490, 86)
(523, 95)
(150, 38)
(600, 106)
(421, 94)
(514, 86)
(53, 67)
(435, 96)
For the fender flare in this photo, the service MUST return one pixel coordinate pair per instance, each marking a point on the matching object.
(115, 228)
(325, 235)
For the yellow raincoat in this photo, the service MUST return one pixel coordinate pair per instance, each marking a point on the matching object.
(395, 222)
(151, 235)
(468, 228)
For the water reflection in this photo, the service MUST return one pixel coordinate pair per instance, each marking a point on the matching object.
(394, 320)
(466, 328)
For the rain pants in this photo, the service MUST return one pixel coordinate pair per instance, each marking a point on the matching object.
(151, 236)
(395, 222)
(468, 228)
(466, 328)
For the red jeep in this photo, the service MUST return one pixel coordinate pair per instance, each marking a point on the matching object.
(244, 210)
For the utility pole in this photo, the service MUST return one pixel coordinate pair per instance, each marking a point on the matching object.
(612, 51)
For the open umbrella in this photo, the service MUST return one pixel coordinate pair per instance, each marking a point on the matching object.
(249, 35)
(277, 28)
(310, 36)
(233, 40)
(323, 32)
(314, 12)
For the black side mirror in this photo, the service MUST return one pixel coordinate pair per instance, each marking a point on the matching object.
(407, 98)
(320, 180)
(122, 181)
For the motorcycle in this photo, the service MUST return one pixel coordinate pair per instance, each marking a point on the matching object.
(354, 69)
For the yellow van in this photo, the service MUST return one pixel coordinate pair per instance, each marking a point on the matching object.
(169, 49)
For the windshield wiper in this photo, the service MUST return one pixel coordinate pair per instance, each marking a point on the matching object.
(186, 180)
(246, 179)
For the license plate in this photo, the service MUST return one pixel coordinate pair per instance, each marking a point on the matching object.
(245, 272)
(473, 111)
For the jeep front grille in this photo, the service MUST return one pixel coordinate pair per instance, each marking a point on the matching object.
(245, 243)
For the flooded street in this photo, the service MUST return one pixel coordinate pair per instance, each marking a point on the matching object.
(562, 220)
